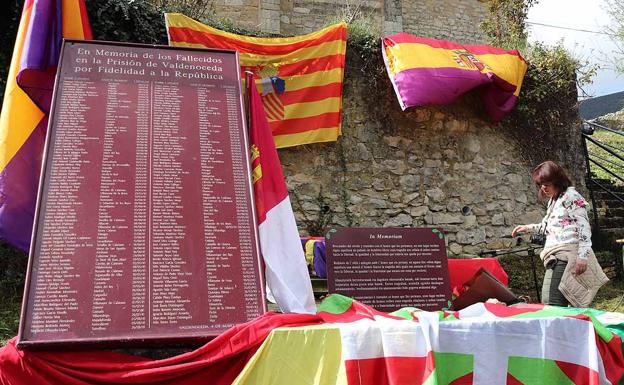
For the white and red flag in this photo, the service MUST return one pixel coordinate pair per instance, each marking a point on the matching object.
(285, 267)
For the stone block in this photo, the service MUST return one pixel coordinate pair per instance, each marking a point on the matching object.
(395, 196)
(395, 166)
(380, 185)
(409, 183)
(471, 237)
(437, 208)
(409, 198)
(310, 207)
(392, 141)
(509, 206)
(455, 249)
(362, 152)
(379, 203)
(436, 194)
(433, 163)
(484, 220)
(400, 220)
(514, 179)
(522, 198)
(419, 211)
(446, 218)
(509, 219)
(498, 219)
(478, 211)
(533, 216)
(470, 221)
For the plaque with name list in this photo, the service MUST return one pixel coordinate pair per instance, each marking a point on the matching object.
(389, 268)
(145, 227)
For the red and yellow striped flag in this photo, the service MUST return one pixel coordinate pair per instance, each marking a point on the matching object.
(299, 78)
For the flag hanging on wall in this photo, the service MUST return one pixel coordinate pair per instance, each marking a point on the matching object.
(432, 72)
(27, 97)
(285, 265)
(300, 78)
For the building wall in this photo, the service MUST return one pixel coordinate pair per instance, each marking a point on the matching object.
(433, 166)
(438, 166)
(456, 20)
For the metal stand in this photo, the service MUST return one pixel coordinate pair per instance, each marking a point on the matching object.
(530, 253)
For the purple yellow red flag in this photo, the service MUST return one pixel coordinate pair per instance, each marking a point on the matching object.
(27, 97)
(300, 78)
(433, 72)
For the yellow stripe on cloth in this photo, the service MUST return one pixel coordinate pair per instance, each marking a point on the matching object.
(20, 116)
(72, 20)
(320, 135)
(314, 79)
(415, 55)
(314, 52)
(250, 59)
(508, 67)
(299, 355)
(309, 109)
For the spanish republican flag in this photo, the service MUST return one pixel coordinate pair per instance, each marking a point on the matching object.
(285, 266)
(432, 72)
(27, 97)
(300, 77)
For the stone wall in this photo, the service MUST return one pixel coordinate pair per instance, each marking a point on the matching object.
(446, 167)
(456, 20)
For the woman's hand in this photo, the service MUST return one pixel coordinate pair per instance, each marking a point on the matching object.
(581, 266)
(519, 230)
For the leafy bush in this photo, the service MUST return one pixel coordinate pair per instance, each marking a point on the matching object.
(9, 19)
(548, 98)
(136, 21)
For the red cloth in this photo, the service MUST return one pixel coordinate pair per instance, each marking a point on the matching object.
(217, 362)
(461, 270)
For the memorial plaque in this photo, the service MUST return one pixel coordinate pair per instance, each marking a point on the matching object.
(145, 226)
(389, 268)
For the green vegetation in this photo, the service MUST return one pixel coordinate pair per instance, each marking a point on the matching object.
(547, 108)
(520, 272)
(12, 274)
(610, 297)
(609, 161)
(9, 19)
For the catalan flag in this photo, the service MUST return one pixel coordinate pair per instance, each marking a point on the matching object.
(27, 97)
(300, 78)
(432, 72)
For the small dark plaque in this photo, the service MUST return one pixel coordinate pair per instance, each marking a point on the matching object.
(145, 226)
(389, 268)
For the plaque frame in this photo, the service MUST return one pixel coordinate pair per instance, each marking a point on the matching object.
(179, 338)
(393, 236)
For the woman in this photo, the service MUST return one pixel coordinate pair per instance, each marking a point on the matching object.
(573, 274)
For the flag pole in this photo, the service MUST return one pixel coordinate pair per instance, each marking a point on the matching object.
(248, 81)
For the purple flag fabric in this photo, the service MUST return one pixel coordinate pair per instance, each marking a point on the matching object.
(28, 94)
